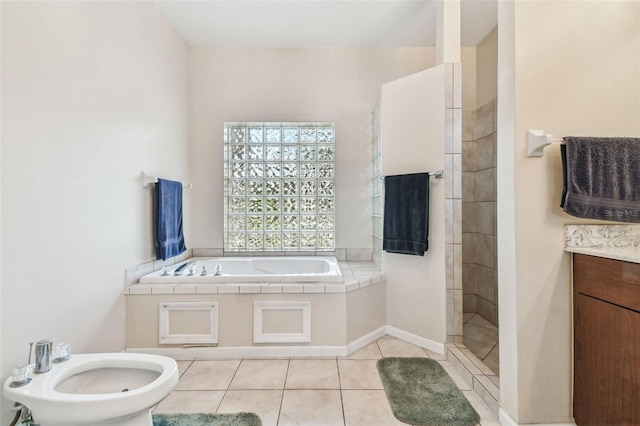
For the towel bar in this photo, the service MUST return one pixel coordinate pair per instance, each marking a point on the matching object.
(537, 140)
(147, 180)
(438, 174)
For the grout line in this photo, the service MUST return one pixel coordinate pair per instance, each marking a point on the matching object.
(284, 387)
(344, 419)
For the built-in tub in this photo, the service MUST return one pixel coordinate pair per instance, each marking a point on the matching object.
(281, 269)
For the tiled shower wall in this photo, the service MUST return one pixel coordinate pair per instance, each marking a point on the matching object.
(479, 249)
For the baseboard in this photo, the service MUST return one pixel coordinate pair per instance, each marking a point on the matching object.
(423, 342)
(506, 420)
(221, 352)
(365, 340)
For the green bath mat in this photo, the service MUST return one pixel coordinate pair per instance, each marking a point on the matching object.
(234, 419)
(421, 393)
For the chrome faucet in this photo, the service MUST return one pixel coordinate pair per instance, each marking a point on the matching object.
(218, 270)
(188, 266)
(43, 356)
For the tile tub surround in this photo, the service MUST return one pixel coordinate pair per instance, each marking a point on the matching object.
(304, 391)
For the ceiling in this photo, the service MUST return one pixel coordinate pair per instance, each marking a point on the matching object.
(321, 23)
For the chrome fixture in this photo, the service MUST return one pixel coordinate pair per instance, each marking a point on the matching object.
(218, 271)
(204, 272)
(43, 356)
(180, 268)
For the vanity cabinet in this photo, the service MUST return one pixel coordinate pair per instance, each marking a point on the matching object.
(606, 311)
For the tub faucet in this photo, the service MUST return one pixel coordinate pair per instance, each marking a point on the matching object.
(218, 270)
(43, 356)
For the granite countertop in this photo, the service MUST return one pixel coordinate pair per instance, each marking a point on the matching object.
(619, 242)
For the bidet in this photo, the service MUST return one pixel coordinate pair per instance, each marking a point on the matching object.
(115, 389)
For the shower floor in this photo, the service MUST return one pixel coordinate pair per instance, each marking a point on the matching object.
(481, 337)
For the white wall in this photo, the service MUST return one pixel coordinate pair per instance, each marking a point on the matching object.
(580, 76)
(93, 93)
(334, 84)
(412, 129)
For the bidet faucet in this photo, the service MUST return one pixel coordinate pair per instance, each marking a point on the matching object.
(43, 356)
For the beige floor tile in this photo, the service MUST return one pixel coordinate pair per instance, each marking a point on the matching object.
(371, 351)
(188, 401)
(390, 346)
(312, 374)
(367, 408)
(435, 355)
(260, 374)
(265, 403)
(208, 375)
(183, 366)
(311, 408)
(455, 376)
(359, 374)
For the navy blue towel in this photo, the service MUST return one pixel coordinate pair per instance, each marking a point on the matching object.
(602, 178)
(169, 238)
(406, 214)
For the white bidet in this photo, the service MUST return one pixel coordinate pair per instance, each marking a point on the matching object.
(115, 389)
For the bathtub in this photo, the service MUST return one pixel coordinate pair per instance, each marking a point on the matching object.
(297, 269)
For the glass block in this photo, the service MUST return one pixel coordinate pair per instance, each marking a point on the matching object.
(273, 153)
(290, 222)
(325, 170)
(326, 153)
(255, 205)
(272, 240)
(255, 187)
(237, 187)
(237, 152)
(273, 204)
(325, 135)
(307, 240)
(237, 223)
(255, 170)
(325, 222)
(237, 240)
(255, 241)
(289, 170)
(326, 187)
(256, 223)
(290, 134)
(290, 187)
(289, 152)
(273, 169)
(308, 187)
(326, 205)
(290, 240)
(255, 134)
(255, 152)
(307, 170)
(237, 134)
(307, 153)
(307, 222)
(237, 205)
(272, 187)
(308, 135)
(273, 134)
(307, 205)
(238, 170)
(325, 240)
(272, 222)
(290, 205)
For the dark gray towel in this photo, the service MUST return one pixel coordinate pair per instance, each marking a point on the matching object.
(406, 214)
(602, 178)
(169, 238)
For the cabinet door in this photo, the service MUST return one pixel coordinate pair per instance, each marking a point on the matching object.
(606, 363)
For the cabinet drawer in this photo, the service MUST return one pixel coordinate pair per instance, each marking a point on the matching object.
(611, 280)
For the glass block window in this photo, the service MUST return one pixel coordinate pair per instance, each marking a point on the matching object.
(279, 186)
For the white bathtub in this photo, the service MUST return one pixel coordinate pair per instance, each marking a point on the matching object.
(251, 270)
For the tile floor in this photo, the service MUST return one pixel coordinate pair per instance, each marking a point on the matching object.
(302, 391)
(481, 337)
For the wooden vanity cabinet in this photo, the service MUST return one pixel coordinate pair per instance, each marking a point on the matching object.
(606, 313)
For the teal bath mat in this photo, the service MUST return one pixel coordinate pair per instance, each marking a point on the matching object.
(234, 419)
(421, 393)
